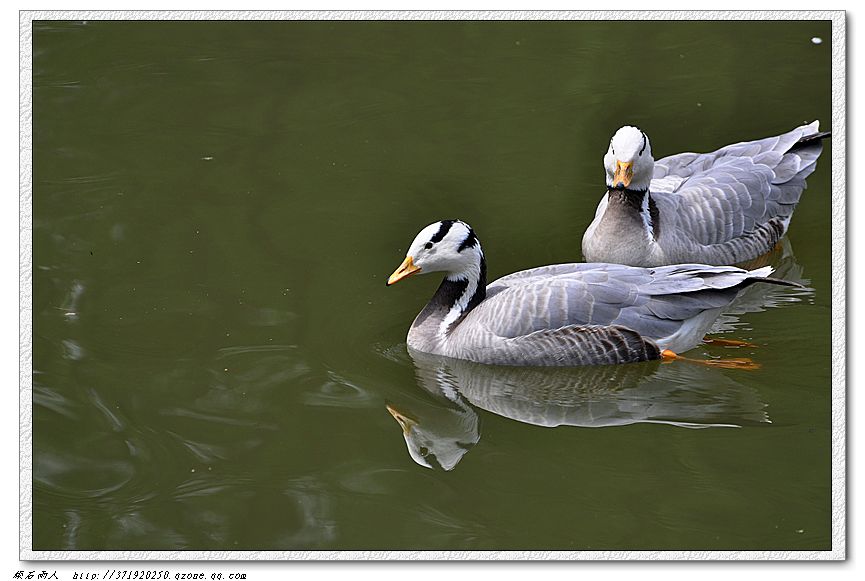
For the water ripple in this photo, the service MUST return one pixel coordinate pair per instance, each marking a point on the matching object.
(340, 392)
(76, 475)
(217, 419)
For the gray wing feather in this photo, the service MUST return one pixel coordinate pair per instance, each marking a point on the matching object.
(581, 345)
(725, 194)
(652, 302)
(579, 314)
(565, 346)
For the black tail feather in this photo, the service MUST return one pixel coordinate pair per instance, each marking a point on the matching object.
(810, 139)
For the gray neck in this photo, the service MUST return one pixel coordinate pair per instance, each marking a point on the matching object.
(633, 208)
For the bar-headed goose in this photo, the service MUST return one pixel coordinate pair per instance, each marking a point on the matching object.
(724, 207)
(564, 314)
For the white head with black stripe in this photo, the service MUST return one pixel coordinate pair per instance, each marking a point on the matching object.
(448, 246)
(629, 163)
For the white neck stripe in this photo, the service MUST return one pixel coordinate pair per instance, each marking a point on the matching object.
(459, 306)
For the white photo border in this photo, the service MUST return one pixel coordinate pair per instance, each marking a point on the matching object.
(839, 278)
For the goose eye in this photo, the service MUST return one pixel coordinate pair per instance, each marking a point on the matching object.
(428, 245)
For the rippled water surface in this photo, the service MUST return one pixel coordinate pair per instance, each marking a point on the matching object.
(219, 365)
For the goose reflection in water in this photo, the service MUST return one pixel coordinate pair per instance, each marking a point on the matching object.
(678, 394)
(754, 300)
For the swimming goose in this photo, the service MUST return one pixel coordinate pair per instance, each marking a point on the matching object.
(724, 207)
(564, 314)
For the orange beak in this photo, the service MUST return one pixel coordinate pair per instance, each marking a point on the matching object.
(405, 422)
(407, 268)
(624, 173)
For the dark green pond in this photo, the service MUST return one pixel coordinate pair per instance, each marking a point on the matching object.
(216, 208)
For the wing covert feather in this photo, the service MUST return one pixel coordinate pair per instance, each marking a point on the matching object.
(722, 195)
(652, 302)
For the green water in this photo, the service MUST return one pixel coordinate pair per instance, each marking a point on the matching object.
(216, 207)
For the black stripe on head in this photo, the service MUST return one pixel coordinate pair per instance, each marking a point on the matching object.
(470, 242)
(645, 140)
(443, 230)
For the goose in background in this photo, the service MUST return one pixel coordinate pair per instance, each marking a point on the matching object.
(564, 314)
(724, 207)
